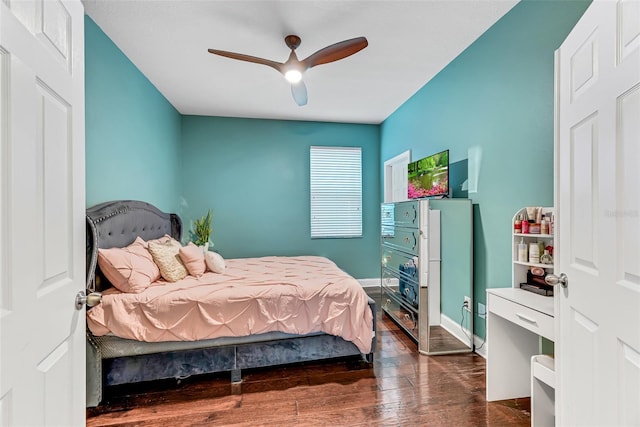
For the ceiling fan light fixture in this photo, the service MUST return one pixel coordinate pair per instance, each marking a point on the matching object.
(293, 76)
(293, 68)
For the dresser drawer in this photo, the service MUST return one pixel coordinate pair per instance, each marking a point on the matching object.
(404, 315)
(405, 214)
(403, 283)
(398, 261)
(404, 239)
(533, 320)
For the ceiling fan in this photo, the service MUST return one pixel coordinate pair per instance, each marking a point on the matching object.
(293, 68)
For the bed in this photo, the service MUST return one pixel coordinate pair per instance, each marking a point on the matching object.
(217, 320)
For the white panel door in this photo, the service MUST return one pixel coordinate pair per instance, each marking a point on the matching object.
(42, 335)
(598, 208)
(395, 178)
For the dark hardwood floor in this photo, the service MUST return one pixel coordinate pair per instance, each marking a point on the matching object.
(401, 388)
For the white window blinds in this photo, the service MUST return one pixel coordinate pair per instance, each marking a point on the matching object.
(336, 191)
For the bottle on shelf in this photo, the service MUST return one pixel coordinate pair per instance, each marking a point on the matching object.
(534, 253)
(517, 226)
(544, 226)
(546, 257)
(522, 251)
(525, 226)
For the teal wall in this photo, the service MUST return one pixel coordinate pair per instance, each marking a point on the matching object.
(456, 270)
(495, 98)
(254, 175)
(132, 132)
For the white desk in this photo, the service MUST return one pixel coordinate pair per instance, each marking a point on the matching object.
(516, 320)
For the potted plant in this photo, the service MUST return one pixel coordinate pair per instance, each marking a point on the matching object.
(202, 231)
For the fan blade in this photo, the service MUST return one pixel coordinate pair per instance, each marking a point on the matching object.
(335, 52)
(273, 64)
(299, 92)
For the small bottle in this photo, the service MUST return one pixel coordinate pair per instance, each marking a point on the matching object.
(522, 251)
(525, 226)
(534, 253)
(546, 258)
(549, 247)
(544, 226)
(552, 225)
(517, 225)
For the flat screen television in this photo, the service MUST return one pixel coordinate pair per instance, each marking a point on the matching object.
(429, 177)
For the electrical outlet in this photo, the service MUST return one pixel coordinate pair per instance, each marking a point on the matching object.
(467, 303)
(482, 310)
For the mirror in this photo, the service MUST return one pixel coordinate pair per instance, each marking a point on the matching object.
(426, 270)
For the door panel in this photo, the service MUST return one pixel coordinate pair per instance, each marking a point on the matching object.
(628, 383)
(53, 131)
(584, 350)
(629, 35)
(584, 201)
(628, 155)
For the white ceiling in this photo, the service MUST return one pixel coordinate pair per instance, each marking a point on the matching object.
(409, 43)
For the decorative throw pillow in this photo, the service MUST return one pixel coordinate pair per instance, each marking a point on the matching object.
(193, 258)
(129, 269)
(162, 239)
(165, 255)
(215, 262)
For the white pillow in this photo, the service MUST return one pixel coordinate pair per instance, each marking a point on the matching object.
(215, 262)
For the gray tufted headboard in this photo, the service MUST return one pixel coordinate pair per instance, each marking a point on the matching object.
(116, 224)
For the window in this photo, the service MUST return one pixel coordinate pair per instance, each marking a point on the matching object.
(336, 191)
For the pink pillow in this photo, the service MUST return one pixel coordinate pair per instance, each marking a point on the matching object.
(193, 258)
(129, 269)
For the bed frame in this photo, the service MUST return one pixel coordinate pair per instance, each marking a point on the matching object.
(112, 360)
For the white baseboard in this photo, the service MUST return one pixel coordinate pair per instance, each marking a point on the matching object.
(480, 346)
(454, 329)
(370, 283)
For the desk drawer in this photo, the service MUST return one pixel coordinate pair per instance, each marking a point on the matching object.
(535, 321)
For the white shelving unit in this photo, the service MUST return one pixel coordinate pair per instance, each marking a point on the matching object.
(520, 268)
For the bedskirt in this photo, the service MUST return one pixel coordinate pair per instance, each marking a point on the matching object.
(114, 361)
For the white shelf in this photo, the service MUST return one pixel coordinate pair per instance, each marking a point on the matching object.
(533, 264)
(543, 368)
(541, 236)
(543, 384)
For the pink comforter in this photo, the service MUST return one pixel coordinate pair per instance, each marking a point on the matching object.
(296, 295)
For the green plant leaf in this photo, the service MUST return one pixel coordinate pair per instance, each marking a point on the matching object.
(202, 229)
